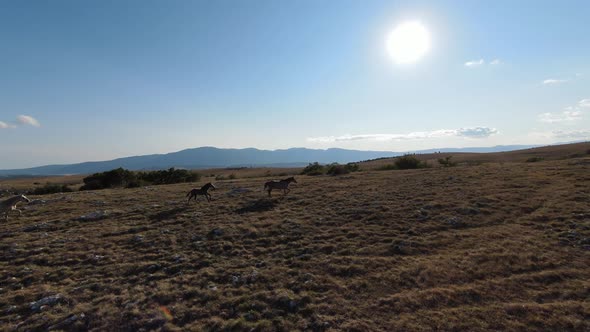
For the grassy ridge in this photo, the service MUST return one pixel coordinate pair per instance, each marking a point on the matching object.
(473, 248)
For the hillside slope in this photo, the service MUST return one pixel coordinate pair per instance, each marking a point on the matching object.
(470, 248)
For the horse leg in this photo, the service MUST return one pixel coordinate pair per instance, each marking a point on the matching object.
(287, 191)
(208, 197)
(269, 190)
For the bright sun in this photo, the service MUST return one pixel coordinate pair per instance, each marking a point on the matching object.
(408, 42)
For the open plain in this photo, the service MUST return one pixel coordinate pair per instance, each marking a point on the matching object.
(486, 246)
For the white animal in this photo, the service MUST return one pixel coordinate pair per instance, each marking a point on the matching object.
(10, 205)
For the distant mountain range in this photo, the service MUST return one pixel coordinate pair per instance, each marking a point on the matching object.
(210, 157)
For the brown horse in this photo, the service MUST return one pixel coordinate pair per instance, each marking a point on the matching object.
(280, 185)
(202, 192)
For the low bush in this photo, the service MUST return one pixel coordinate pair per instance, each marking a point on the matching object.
(337, 169)
(446, 162)
(168, 176)
(408, 161)
(534, 159)
(124, 178)
(314, 169)
(50, 189)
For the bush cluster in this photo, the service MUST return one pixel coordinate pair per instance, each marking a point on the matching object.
(49, 188)
(121, 177)
(330, 169)
(408, 161)
(337, 169)
(446, 162)
(313, 169)
(168, 176)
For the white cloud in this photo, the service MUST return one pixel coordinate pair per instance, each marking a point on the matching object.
(568, 115)
(573, 134)
(474, 63)
(552, 81)
(475, 132)
(496, 62)
(28, 120)
(4, 125)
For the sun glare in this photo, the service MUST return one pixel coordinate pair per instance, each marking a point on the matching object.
(408, 42)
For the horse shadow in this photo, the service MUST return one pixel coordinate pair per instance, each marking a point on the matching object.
(260, 205)
(168, 214)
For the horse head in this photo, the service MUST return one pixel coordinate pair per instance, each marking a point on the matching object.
(208, 186)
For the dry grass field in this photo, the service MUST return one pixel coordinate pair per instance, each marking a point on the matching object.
(495, 246)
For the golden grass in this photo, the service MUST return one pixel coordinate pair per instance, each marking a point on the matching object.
(499, 246)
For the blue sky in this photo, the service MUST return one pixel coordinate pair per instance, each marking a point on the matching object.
(97, 80)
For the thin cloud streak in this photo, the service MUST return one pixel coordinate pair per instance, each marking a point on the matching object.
(553, 81)
(28, 120)
(475, 132)
(572, 134)
(565, 116)
(474, 63)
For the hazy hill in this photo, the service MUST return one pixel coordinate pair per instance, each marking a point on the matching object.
(210, 157)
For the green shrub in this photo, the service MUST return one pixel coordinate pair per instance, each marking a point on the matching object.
(337, 169)
(313, 169)
(232, 176)
(124, 178)
(534, 159)
(49, 188)
(446, 162)
(387, 167)
(114, 178)
(409, 161)
(168, 176)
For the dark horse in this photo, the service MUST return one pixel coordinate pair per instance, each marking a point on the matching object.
(280, 185)
(202, 191)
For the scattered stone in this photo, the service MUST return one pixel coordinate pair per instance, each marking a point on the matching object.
(422, 214)
(137, 238)
(46, 301)
(215, 233)
(247, 278)
(455, 222)
(468, 211)
(96, 215)
(37, 227)
(153, 268)
(95, 258)
(68, 321)
(37, 202)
